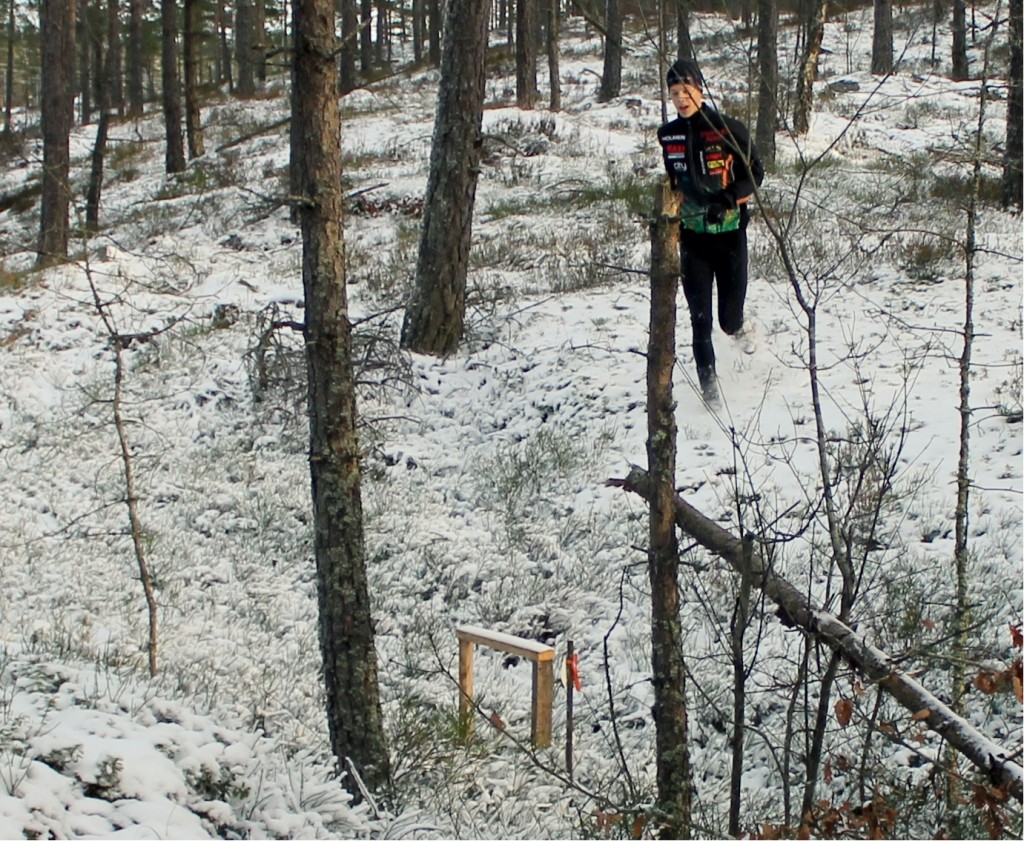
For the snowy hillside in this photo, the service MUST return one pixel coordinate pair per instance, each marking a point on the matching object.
(485, 473)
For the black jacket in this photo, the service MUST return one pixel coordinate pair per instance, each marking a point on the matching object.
(707, 154)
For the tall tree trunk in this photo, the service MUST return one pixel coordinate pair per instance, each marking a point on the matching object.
(684, 43)
(224, 53)
(768, 80)
(346, 628)
(349, 48)
(435, 22)
(1013, 172)
(244, 48)
(667, 666)
(85, 51)
(136, 96)
(115, 59)
(99, 149)
(435, 316)
(9, 73)
(611, 74)
(960, 69)
(175, 152)
(260, 41)
(380, 42)
(419, 29)
(881, 42)
(554, 75)
(815, 30)
(193, 119)
(740, 620)
(366, 35)
(57, 26)
(526, 55)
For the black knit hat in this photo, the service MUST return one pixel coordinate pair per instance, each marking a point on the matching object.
(685, 71)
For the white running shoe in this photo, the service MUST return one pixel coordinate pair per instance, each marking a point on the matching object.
(747, 337)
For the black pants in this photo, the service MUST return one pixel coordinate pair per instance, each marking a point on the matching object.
(707, 259)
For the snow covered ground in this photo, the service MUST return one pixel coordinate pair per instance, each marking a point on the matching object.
(485, 474)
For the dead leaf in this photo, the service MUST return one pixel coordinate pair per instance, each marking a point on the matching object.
(844, 712)
(921, 715)
(985, 682)
(1018, 637)
(497, 721)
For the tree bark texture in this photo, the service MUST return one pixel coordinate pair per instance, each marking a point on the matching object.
(881, 42)
(684, 43)
(611, 74)
(57, 24)
(554, 74)
(768, 80)
(9, 70)
(1013, 171)
(815, 29)
(435, 316)
(960, 65)
(668, 673)
(526, 54)
(114, 64)
(193, 57)
(349, 47)
(174, 158)
(245, 19)
(136, 97)
(346, 628)
(795, 609)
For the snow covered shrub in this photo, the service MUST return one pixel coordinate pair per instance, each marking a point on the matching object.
(124, 158)
(928, 258)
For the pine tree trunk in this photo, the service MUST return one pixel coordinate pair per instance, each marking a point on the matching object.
(366, 35)
(346, 629)
(435, 316)
(526, 55)
(1013, 172)
(193, 36)
(684, 43)
(768, 80)
(554, 75)
(9, 73)
(244, 49)
(881, 42)
(436, 22)
(136, 96)
(84, 39)
(960, 67)
(175, 152)
(349, 48)
(57, 27)
(815, 28)
(99, 149)
(114, 63)
(611, 74)
(667, 667)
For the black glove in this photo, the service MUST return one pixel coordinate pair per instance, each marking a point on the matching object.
(718, 205)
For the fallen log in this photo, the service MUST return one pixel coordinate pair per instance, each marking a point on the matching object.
(795, 609)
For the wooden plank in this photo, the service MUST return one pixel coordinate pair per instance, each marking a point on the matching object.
(531, 649)
(543, 686)
(466, 689)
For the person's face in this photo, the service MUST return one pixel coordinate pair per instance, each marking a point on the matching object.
(686, 98)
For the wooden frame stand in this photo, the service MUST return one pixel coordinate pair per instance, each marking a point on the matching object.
(543, 658)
